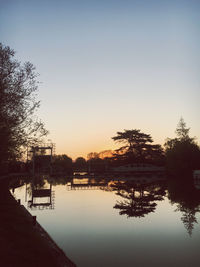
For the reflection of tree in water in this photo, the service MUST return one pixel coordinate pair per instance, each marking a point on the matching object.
(187, 199)
(188, 217)
(139, 199)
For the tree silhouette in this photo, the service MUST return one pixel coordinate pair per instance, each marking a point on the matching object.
(182, 152)
(181, 130)
(18, 123)
(80, 164)
(137, 147)
(62, 164)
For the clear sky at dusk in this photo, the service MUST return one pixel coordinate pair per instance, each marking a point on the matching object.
(106, 66)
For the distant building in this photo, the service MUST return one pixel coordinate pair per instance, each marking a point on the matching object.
(137, 167)
(196, 177)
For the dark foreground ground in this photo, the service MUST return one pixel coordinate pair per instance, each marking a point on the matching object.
(21, 243)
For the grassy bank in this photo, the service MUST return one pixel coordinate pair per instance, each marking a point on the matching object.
(21, 243)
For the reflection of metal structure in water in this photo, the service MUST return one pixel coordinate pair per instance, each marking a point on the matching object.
(196, 177)
(42, 198)
(41, 158)
(85, 184)
(106, 185)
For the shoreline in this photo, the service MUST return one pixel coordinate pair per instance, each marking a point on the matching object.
(22, 243)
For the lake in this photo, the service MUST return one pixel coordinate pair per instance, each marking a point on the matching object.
(134, 221)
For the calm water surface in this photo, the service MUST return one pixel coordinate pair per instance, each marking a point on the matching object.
(134, 222)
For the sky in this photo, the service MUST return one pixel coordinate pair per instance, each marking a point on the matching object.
(106, 66)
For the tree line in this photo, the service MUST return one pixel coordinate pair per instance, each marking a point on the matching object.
(180, 155)
(20, 127)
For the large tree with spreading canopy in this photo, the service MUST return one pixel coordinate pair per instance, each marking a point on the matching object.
(137, 147)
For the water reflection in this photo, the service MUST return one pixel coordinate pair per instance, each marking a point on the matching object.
(186, 196)
(139, 198)
(39, 194)
(117, 216)
(86, 184)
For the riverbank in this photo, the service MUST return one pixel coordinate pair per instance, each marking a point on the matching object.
(22, 243)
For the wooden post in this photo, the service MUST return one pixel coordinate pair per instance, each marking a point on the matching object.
(33, 161)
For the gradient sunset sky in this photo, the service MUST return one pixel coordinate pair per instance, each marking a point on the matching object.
(109, 65)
